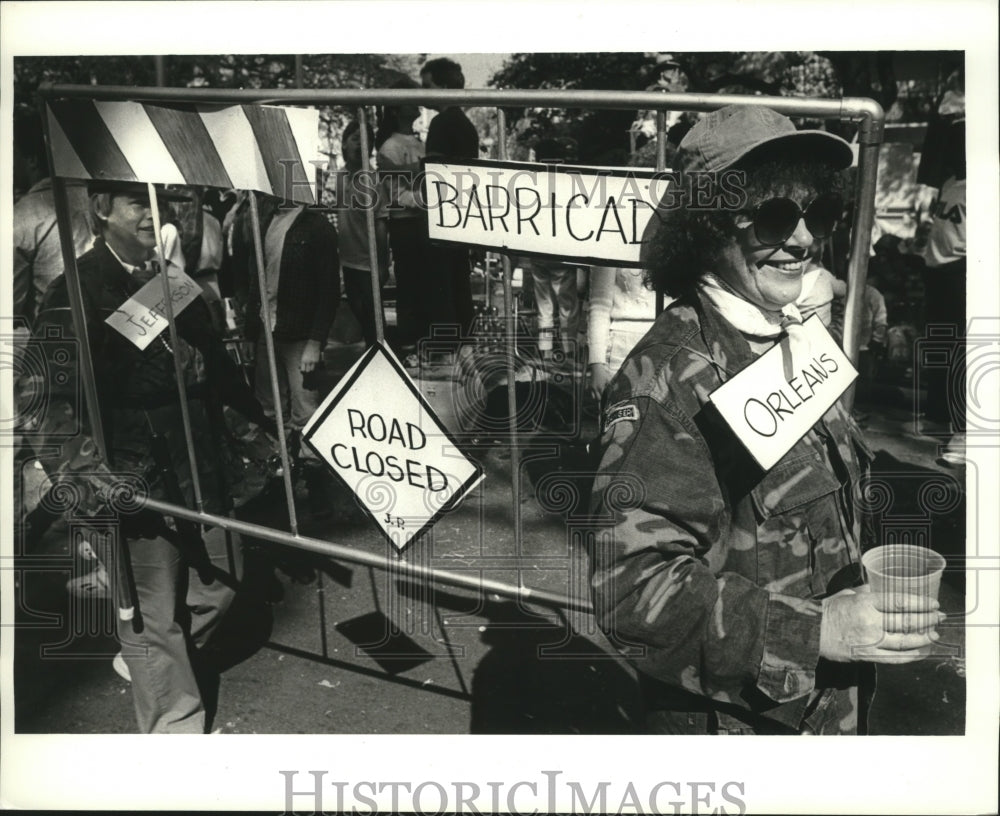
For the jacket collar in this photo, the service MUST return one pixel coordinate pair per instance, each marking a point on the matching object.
(724, 342)
(114, 276)
(692, 322)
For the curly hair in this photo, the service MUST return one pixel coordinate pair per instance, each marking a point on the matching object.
(690, 242)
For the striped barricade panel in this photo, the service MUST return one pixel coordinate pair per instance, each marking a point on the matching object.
(272, 150)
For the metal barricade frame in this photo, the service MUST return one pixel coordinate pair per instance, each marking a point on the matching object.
(866, 112)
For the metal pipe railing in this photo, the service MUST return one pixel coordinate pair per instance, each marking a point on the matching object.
(661, 165)
(75, 293)
(847, 108)
(373, 261)
(272, 365)
(869, 142)
(511, 327)
(175, 349)
(401, 567)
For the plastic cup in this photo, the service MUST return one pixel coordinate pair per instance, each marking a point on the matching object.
(902, 569)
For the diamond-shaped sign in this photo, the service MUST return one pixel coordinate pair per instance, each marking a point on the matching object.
(377, 432)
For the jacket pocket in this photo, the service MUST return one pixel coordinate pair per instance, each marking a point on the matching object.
(791, 503)
(791, 484)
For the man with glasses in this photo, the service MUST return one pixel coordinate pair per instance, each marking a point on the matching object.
(735, 589)
(173, 581)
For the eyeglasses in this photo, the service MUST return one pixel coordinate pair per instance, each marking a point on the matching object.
(775, 220)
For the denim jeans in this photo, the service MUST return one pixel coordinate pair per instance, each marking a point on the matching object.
(361, 299)
(297, 403)
(179, 614)
(555, 290)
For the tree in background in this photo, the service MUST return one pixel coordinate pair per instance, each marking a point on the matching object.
(604, 135)
(601, 133)
(30, 72)
(318, 71)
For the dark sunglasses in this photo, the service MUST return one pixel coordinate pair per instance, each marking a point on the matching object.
(775, 220)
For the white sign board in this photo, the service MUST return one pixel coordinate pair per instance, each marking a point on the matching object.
(590, 215)
(774, 401)
(377, 432)
(142, 317)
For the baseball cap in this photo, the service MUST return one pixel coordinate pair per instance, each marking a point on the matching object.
(735, 136)
(139, 188)
(732, 136)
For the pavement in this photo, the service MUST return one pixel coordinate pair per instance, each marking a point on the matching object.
(317, 645)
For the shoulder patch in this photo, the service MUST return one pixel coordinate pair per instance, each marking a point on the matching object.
(620, 412)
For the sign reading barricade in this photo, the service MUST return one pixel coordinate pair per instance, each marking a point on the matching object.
(142, 317)
(376, 431)
(584, 214)
(773, 402)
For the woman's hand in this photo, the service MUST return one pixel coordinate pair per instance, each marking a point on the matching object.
(854, 628)
(600, 376)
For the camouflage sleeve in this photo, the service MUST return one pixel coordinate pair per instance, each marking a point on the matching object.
(665, 531)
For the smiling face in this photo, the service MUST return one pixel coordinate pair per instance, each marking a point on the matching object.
(769, 276)
(128, 226)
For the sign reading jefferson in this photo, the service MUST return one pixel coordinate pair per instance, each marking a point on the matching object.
(143, 316)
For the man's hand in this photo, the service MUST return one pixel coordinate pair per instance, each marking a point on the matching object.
(310, 356)
(854, 628)
(600, 376)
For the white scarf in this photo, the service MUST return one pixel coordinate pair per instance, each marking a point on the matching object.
(753, 322)
(745, 316)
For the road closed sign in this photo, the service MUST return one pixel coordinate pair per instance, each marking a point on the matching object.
(376, 431)
(773, 402)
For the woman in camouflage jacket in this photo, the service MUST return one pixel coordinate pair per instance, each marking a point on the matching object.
(736, 592)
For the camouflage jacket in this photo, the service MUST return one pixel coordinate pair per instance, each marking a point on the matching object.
(708, 572)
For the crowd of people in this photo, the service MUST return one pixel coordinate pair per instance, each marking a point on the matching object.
(743, 586)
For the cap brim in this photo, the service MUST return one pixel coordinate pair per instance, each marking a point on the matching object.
(806, 144)
(802, 144)
(138, 188)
